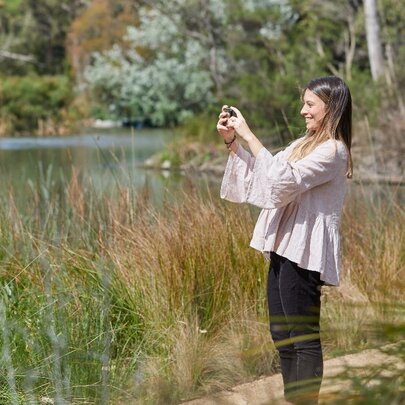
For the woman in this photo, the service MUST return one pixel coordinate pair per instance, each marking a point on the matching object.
(301, 191)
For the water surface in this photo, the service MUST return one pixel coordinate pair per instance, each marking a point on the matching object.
(104, 159)
(101, 159)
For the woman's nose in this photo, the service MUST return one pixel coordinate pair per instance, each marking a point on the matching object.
(303, 110)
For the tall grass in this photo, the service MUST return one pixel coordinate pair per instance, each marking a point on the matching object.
(106, 299)
(373, 263)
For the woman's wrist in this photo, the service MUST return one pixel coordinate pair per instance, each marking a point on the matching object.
(249, 137)
(229, 142)
(255, 146)
(233, 147)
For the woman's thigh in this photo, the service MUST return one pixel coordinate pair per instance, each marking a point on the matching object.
(300, 293)
(278, 322)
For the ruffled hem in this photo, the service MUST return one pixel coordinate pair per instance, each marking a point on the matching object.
(313, 245)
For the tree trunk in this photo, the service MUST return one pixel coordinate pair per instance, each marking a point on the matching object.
(350, 47)
(375, 53)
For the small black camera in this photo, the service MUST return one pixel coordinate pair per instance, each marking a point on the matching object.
(231, 112)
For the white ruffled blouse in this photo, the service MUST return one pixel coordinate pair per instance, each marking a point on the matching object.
(301, 203)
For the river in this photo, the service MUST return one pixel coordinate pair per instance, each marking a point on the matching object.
(103, 159)
(106, 158)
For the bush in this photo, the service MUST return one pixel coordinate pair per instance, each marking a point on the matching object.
(32, 103)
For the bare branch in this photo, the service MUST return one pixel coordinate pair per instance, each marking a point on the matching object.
(16, 56)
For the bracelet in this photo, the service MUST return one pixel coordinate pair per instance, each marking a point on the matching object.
(228, 144)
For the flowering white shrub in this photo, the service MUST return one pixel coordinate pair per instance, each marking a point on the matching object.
(176, 63)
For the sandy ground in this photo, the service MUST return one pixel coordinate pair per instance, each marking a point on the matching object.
(269, 390)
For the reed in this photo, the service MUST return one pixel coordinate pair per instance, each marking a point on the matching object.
(106, 299)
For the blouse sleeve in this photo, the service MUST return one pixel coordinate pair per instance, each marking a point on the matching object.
(270, 182)
(238, 174)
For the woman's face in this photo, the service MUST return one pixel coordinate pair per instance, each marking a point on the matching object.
(313, 110)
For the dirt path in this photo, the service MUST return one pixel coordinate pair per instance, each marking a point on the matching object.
(269, 390)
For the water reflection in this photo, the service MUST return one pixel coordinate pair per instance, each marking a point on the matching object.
(105, 160)
(102, 161)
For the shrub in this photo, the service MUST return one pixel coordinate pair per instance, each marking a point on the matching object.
(34, 103)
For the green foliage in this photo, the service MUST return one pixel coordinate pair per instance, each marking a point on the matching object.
(163, 86)
(11, 6)
(273, 49)
(37, 29)
(367, 96)
(201, 127)
(25, 101)
(169, 67)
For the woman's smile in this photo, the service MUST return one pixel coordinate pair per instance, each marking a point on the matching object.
(313, 110)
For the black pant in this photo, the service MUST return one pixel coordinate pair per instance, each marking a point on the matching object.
(294, 304)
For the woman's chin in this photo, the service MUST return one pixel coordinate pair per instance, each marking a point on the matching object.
(311, 127)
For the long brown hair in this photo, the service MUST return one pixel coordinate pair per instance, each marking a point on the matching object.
(337, 122)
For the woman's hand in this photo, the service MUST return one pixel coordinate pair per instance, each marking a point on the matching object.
(227, 126)
(239, 124)
(222, 126)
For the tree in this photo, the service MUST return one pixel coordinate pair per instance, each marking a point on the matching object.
(163, 86)
(101, 25)
(374, 46)
(178, 62)
(392, 17)
(184, 55)
(35, 31)
(173, 67)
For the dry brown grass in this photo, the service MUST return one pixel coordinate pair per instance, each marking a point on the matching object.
(186, 295)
